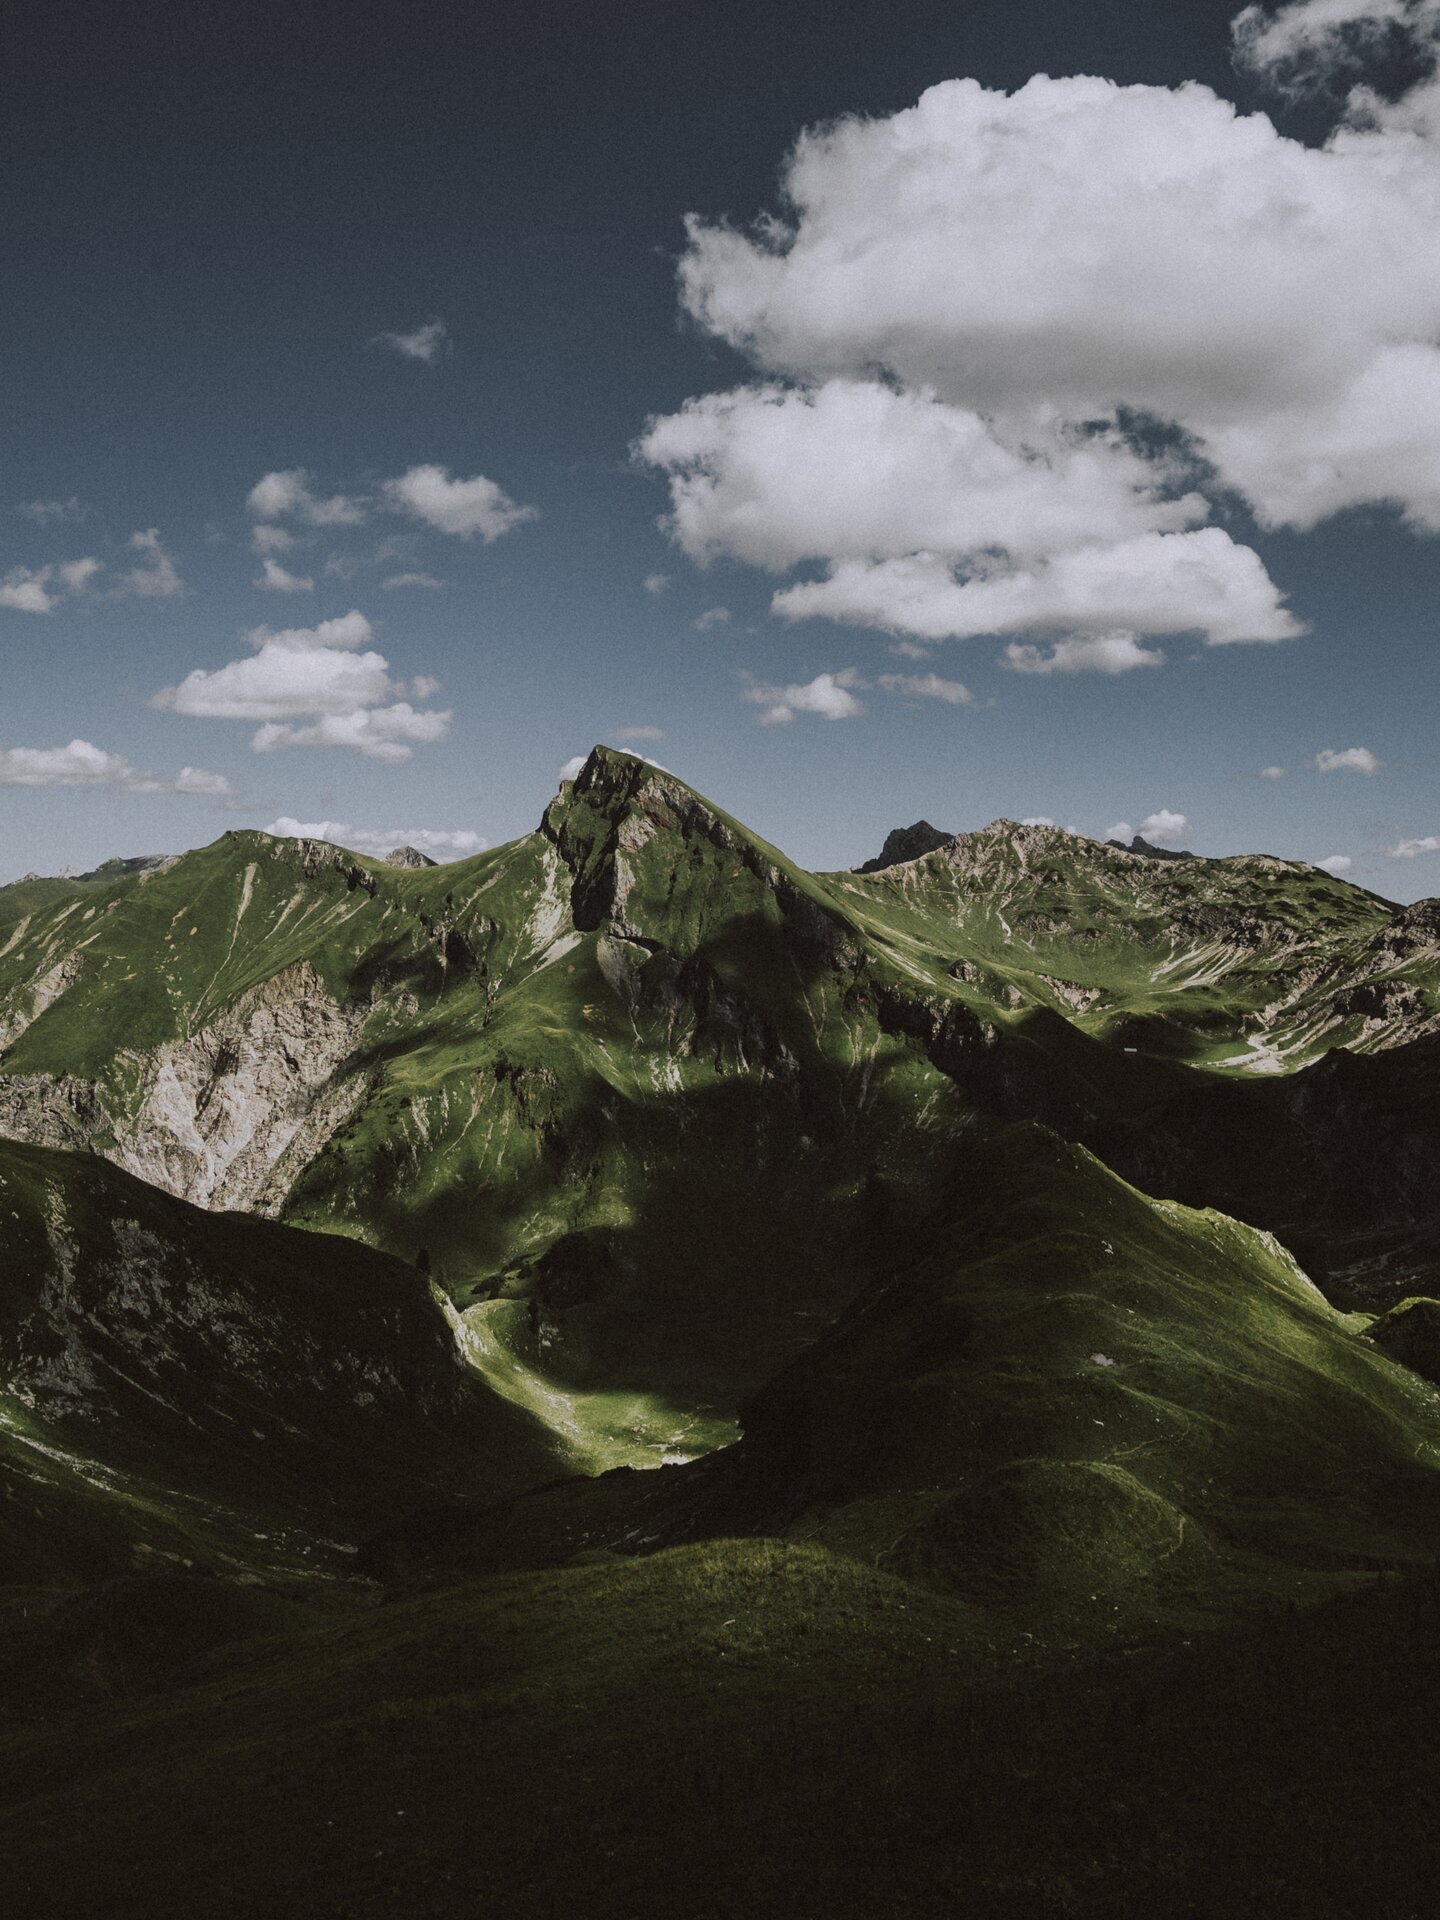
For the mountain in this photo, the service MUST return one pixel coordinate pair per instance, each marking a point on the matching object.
(550, 1069)
(1140, 845)
(619, 1373)
(906, 843)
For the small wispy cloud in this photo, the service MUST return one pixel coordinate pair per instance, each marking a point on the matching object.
(157, 577)
(276, 579)
(712, 617)
(928, 686)
(400, 580)
(656, 582)
(1336, 863)
(52, 513)
(287, 495)
(830, 696)
(40, 589)
(427, 343)
(1110, 653)
(460, 507)
(1347, 760)
(1161, 828)
(1412, 849)
(1274, 773)
(82, 764)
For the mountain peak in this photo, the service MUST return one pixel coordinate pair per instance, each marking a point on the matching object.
(408, 857)
(1149, 852)
(906, 843)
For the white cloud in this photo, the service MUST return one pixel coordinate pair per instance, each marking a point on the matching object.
(977, 299)
(75, 575)
(710, 618)
(1037, 820)
(397, 580)
(1090, 653)
(39, 589)
(1274, 773)
(282, 683)
(198, 780)
(80, 764)
(287, 495)
(461, 507)
(425, 342)
(315, 676)
(638, 733)
(1412, 849)
(829, 695)
(1337, 863)
(573, 766)
(1122, 830)
(440, 843)
(26, 590)
(1156, 583)
(1348, 760)
(1313, 43)
(157, 577)
(380, 733)
(1163, 827)
(275, 579)
(50, 513)
(854, 470)
(265, 538)
(928, 686)
(423, 686)
(345, 632)
(656, 582)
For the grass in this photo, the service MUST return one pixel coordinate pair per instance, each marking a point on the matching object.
(732, 1728)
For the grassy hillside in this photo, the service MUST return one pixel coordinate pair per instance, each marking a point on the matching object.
(718, 1730)
(206, 1387)
(1061, 1400)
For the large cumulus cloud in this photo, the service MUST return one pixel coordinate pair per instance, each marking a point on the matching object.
(1012, 350)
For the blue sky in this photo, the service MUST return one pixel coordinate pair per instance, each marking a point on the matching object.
(993, 419)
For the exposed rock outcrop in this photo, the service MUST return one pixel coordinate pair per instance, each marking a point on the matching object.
(906, 843)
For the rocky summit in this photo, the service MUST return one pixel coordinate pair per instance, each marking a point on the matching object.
(725, 1313)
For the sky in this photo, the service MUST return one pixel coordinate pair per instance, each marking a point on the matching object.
(868, 412)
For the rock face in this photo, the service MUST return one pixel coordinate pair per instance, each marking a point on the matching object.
(408, 857)
(226, 1117)
(906, 843)
(229, 1112)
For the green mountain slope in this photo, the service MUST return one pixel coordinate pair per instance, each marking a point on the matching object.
(1249, 964)
(1063, 1400)
(203, 1386)
(553, 1071)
